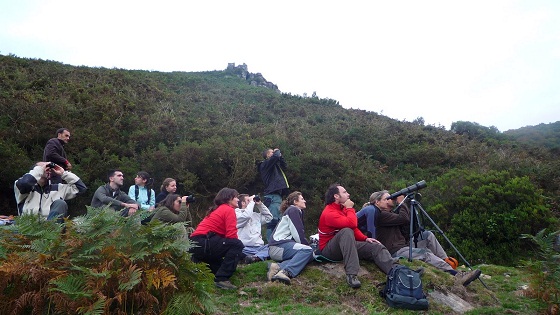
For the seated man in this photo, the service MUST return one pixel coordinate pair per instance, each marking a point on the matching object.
(340, 238)
(111, 195)
(387, 230)
(36, 195)
(249, 227)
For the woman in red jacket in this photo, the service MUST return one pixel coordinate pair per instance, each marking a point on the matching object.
(216, 235)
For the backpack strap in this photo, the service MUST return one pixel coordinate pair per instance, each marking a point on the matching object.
(136, 192)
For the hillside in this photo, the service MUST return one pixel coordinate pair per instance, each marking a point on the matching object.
(207, 130)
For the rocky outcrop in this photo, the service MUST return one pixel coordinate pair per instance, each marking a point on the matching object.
(255, 79)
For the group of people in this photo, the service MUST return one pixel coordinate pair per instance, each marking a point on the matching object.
(231, 231)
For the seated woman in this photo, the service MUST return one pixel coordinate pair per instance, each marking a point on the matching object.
(288, 244)
(169, 186)
(172, 210)
(216, 235)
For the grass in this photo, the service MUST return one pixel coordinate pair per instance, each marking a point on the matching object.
(321, 289)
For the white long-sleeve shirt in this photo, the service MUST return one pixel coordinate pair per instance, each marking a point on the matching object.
(249, 223)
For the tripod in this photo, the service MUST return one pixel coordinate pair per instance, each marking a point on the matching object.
(413, 236)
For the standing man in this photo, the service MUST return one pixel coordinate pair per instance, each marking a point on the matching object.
(276, 185)
(54, 152)
(387, 230)
(340, 238)
(36, 195)
(249, 226)
(111, 195)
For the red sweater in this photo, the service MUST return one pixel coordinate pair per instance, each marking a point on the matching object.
(221, 221)
(334, 218)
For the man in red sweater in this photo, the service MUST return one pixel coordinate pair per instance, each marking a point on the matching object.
(340, 238)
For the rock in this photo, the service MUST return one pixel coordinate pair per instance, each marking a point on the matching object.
(453, 301)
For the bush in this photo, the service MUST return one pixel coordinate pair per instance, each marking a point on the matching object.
(100, 263)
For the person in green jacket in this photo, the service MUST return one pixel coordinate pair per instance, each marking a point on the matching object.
(173, 209)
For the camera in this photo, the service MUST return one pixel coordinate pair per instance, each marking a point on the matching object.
(257, 198)
(51, 165)
(191, 199)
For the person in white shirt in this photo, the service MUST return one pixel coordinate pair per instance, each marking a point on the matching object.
(249, 227)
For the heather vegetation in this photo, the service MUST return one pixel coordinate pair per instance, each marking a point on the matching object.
(207, 130)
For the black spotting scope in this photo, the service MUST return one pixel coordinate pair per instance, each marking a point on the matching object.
(412, 188)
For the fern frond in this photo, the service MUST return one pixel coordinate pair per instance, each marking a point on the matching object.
(97, 308)
(73, 285)
(130, 278)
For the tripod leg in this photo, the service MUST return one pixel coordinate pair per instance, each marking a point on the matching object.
(451, 244)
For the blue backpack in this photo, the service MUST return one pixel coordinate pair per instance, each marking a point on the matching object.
(404, 289)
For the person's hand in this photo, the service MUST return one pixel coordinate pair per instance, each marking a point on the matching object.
(58, 169)
(348, 204)
(373, 240)
(68, 165)
(399, 199)
(132, 207)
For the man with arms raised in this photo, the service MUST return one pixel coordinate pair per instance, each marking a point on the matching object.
(249, 226)
(36, 194)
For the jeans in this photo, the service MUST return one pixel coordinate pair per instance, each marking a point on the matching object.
(259, 251)
(272, 202)
(59, 210)
(293, 257)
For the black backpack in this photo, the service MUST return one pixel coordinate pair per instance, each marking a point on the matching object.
(404, 289)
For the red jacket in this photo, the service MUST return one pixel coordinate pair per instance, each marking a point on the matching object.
(221, 221)
(334, 218)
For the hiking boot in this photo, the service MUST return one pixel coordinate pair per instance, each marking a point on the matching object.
(225, 285)
(251, 259)
(282, 276)
(353, 281)
(273, 269)
(466, 277)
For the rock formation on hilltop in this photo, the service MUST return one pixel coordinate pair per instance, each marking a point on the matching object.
(255, 79)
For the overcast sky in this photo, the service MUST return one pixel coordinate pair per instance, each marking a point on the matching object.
(493, 62)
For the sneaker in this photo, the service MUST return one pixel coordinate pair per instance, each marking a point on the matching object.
(273, 269)
(353, 281)
(225, 285)
(251, 259)
(466, 277)
(282, 276)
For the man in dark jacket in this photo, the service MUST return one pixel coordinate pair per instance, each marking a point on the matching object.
(54, 152)
(111, 195)
(276, 185)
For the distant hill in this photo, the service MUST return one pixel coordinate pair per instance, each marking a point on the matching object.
(542, 135)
